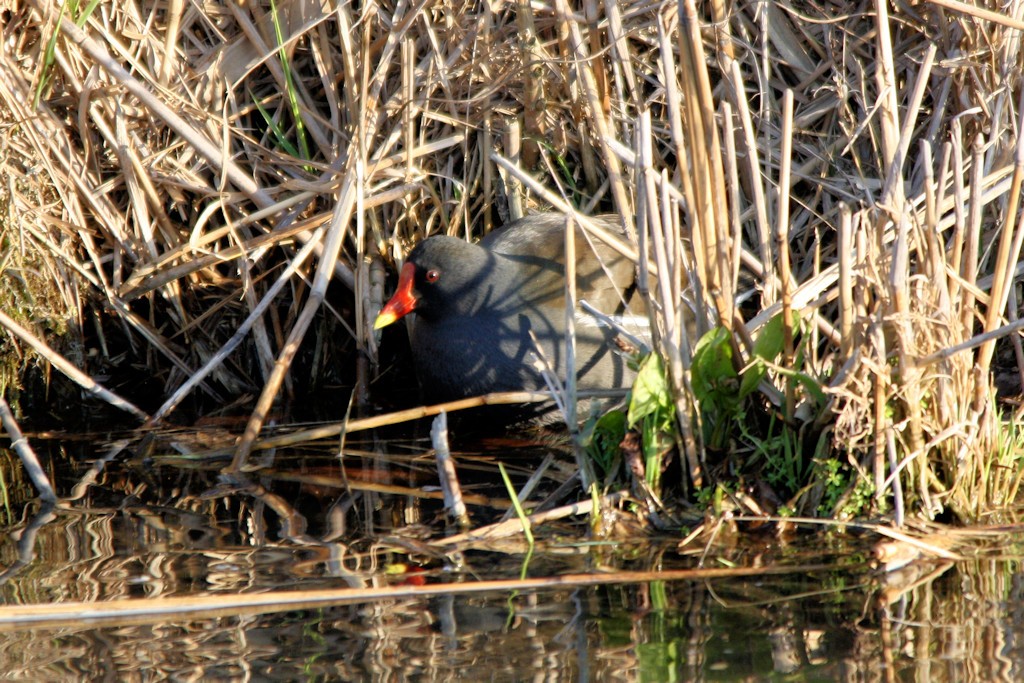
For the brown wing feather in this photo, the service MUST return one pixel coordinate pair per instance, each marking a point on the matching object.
(539, 241)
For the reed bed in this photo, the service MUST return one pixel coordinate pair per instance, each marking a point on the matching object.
(185, 181)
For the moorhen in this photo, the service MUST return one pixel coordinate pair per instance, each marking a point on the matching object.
(473, 306)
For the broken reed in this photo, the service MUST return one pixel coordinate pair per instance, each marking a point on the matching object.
(161, 188)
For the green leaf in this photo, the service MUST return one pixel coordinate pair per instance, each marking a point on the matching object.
(771, 338)
(768, 346)
(650, 390)
(608, 433)
(712, 363)
(812, 385)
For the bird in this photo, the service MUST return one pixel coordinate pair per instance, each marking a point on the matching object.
(472, 308)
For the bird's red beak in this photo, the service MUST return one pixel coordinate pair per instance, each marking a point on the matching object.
(402, 303)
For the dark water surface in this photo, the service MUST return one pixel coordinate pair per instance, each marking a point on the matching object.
(144, 520)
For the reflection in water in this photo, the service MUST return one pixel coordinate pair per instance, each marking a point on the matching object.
(145, 527)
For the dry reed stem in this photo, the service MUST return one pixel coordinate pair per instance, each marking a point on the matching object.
(375, 487)
(1011, 234)
(159, 610)
(450, 486)
(29, 460)
(581, 60)
(66, 367)
(514, 526)
(335, 235)
(781, 235)
(362, 424)
(986, 15)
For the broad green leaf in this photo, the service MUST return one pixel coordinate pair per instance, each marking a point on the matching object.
(650, 390)
(768, 346)
(608, 432)
(712, 363)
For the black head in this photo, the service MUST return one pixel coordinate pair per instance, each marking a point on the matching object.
(443, 276)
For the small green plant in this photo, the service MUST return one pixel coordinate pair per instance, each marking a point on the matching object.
(1011, 457)
(734, 422)
(833, 479)
(779, 453)
(845, 493)
(714, 496)
(861, 497)
(605, 438)
(652, 411)
(72, 8)
(568, 181)
(722, 391)
(768, 348)
(716, 386)
(300, 150)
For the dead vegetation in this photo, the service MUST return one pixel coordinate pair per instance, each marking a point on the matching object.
(190, 178)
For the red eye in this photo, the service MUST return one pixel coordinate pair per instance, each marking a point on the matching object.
(433, 275)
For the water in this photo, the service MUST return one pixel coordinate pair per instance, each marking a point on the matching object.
(143, 522)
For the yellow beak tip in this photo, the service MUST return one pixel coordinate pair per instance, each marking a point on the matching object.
(383, 320)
